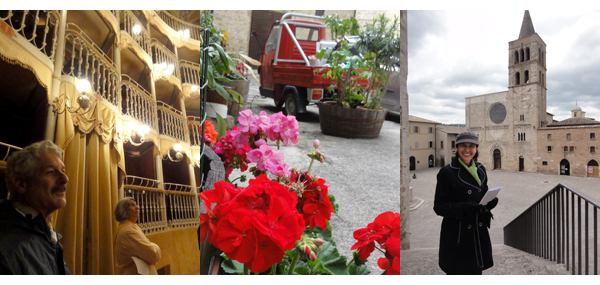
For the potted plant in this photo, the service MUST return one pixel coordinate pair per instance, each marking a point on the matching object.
(349, 71)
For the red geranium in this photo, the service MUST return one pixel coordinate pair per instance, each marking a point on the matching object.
(232, 152)
(253, 225)
(314, 203)
(385, 230)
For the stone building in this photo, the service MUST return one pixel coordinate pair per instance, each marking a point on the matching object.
(569, 147)
(445, 147)
(421, 143)
(507, 121)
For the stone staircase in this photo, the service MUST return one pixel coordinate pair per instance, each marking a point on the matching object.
(507, 261)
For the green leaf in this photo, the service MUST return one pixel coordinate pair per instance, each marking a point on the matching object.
(332, 260)
(358, 270)
(222, 92)
(231, 266)
(236, 96)
(221, 126)
(318, 268)
(301, 270)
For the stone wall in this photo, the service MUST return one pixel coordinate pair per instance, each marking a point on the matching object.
(578, 159)
(405, 192)
(422, 144)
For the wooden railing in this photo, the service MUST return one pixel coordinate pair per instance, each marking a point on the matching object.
(38, 27)
(162, 209)
(190, 72)
(161, 54)
(548, 229)
(138, 103)
(179, 25)
(129, 20)
(83, 59)
(195, 130)
(172, 123)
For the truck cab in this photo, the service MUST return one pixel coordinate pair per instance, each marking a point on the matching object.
(287, 74)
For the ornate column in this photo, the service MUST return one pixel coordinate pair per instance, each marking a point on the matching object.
(58, 64)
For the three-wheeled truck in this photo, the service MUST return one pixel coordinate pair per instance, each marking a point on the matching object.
(286, 73)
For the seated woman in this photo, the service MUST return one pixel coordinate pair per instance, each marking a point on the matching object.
(131, 242)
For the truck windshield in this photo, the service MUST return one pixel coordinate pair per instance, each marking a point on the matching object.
(272, 40)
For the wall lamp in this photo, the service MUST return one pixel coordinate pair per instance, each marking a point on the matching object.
(163, 71)
(178, 155)
(181, 38)
(84, 102)
(196, 162)
(137, 30)
(136, 131)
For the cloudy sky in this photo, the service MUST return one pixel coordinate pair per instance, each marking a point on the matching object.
(457, 54)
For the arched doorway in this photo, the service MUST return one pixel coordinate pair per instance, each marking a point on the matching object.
(521, 163)
(497, 159)
(413, 164)
(431, 159)
(592, 168)
(565, 167)
(442, 162)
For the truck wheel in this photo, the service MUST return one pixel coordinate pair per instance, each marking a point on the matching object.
(290, 105)
(278, 103)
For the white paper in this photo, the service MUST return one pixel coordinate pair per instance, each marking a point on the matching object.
(142, 266)
(489, 195)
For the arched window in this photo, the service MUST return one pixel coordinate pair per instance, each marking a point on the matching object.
(516, 57)
(527, 54)
(540, 78)
(517, 78)
(526, 77)
(540, 55)
(543, 80)
(522, 55)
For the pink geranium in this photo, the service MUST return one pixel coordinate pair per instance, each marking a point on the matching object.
(248, 123)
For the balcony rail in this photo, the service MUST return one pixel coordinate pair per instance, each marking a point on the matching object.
(141, 181)
(195, 130)
(161, 54)
(179, 25)
(9, 148)
(38, 27)
(548, 229)
(181, 211)
(172, 123)
(83, 59)
(190, 72)
(129, 20)
(178, 187)
(152, 205)
(138, 103)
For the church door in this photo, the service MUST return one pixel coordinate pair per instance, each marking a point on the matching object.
(430, 161)
(497, 159)
(592, 168)
(521, 164)
(413, 164)
(565, 167)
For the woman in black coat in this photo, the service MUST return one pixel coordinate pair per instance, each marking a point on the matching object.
(465, 245)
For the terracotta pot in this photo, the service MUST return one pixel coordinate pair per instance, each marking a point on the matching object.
(214, 97)
(350, 123)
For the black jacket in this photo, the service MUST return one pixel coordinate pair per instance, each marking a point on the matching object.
(465, 244)
(26, 246)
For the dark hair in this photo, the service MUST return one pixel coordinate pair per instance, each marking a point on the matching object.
(476, 152)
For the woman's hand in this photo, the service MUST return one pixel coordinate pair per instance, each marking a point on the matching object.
(492, 204)
(472, 208)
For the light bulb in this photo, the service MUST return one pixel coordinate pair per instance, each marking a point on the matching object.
(137, 29)
(133, 125)
(143, 130)
(83, 86)
(197, 157)
(194, 88)
(186, 33)
(177, 147)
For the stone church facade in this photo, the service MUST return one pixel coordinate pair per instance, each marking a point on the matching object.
(515, 131)
(507, 122)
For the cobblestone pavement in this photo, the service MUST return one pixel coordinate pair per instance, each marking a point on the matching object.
(519, 191)
(363, 174)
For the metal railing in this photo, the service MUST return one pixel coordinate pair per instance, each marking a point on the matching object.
(552, 228)
(38, 27)
(190, 72)
(83, 59)
(172, 123)
(203, 90)
(9, 149)
(138, 103)
(179, 25)
(181, 210)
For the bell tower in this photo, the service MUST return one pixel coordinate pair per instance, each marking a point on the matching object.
(527, 75)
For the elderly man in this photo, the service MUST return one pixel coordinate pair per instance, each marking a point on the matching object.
(36, 183)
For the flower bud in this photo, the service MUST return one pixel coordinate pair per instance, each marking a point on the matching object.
(313, 256)
(319, 241)
(306, 250)
(316, 144)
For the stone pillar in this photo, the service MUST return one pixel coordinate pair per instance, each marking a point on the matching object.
(405, 192)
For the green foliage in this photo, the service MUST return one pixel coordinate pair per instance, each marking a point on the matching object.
(358, 270)
(231, 266)
(381, 43)
(221, 126)
(333, 203)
